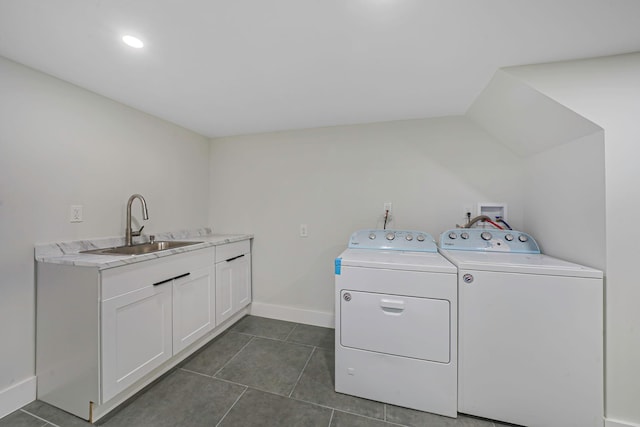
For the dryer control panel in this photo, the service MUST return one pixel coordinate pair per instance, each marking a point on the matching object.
(488, 240)
(393, 240)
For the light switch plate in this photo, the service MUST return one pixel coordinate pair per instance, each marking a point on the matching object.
(75, 213)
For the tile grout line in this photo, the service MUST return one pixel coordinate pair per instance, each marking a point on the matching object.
(320, 405)
(302, 371)
(196, 372)
(370, 418)
(234, 404)
(384, 411)
(333, 411)
(339, 410)
(286, 342)
(234, 356)
(46, 422)
(290, 332)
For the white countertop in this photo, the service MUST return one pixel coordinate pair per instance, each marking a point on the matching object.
(68, 253)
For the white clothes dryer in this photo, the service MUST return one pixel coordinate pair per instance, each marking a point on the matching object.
(396, 321)
(530, 337)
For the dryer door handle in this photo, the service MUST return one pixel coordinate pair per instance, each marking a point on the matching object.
(392, 306)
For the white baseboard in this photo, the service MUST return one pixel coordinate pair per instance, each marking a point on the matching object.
(292, 314)
(616, 423)
(15, 397)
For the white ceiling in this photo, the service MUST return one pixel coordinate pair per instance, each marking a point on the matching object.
(226, 67)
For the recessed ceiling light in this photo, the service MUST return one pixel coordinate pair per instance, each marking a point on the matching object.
(133, 41)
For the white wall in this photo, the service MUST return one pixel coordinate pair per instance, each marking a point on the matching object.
(563, 154)
(607, 92)
(565, 200)
(61, 145)
(336, 181)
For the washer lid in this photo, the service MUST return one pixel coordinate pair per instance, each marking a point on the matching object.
(518, 263)
(396, 260)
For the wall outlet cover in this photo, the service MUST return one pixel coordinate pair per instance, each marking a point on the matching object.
(75, 213)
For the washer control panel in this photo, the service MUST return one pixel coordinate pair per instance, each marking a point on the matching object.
(487, 240)
(393, 240)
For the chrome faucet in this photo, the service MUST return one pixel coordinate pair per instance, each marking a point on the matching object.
(129, 235)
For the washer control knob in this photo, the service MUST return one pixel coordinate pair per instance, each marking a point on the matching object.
(508, 237)
(523, 238)
(409, 237)
(390, 236)
(372, 236)
(464, 235)
(453, 236)
(486, 235)
(420, 237)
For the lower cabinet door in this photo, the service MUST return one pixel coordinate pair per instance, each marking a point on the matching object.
(193, 308)
(233, 286)
(224, 294)
(136, 336)
(241, 282)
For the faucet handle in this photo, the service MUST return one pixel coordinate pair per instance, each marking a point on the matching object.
(137, 233)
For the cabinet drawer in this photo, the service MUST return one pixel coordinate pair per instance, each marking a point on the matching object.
(120, 280)
(230, 250)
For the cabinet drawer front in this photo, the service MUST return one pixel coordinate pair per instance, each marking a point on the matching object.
(121, 280)
(231, 250)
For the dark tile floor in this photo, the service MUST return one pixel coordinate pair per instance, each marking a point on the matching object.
(261, 372)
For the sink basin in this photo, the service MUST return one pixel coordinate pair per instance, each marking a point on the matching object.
(142, 248)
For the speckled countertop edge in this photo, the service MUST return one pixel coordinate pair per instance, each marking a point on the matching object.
(67, 253)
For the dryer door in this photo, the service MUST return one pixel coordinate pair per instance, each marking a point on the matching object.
(397, 325)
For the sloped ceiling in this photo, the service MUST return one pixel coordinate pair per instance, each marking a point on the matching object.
(245, 66)
(525, 120)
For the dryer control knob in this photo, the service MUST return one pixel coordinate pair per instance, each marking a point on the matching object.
(486, 235)
(372, 236)
(465, 235)
(409, 237)
(420, 237)
(523, 238)
(390, 236)
(453, 236)
(508, 237)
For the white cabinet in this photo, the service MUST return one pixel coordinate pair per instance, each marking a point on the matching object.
(193, 307)
(105, 333)
(151, 311)
(136, 336)
(233, 279)
(102, 334)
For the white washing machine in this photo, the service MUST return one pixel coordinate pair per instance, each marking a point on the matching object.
(396, 321)
(530, 331)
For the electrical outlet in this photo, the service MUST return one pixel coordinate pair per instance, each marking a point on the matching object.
(387, 206)
(75, 213)
(467, 212)
(304, 231)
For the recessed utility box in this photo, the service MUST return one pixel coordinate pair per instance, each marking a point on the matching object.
(493, 210)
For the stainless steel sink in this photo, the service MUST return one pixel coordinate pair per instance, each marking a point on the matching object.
(142, 248)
